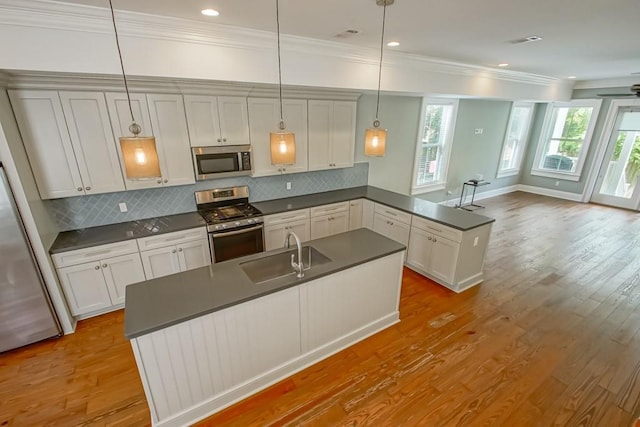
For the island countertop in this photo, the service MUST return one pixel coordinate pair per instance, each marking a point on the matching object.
(446, 215)
(158, 303)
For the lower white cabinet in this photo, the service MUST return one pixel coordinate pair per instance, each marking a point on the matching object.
(450, 257)
(355, 214)
(171, 253)
(391, 228)
(330, 219)
(276, 227)
(99, 285)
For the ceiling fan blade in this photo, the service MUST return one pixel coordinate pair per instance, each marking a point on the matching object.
(616, 95)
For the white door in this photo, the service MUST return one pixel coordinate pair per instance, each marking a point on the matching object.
(274, 236)
(391, 228)
(617, 182)
(93, 142)
(320, 121)
(295, 116)
(444, 257)
(368, 208)
(234, 120)
(47, 143)
(339, 222)
(343, 134)
(301, 228)
(202, 120)
(172, 139)
(355, 214)
(120, 116)
(419, 253)
(119, 272)
(320, 227)
(194, 254)
(85, 288)
(160, 262)
(263, 114)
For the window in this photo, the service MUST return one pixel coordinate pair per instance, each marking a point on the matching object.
(515, 139)
(565, 137)
(434, 144)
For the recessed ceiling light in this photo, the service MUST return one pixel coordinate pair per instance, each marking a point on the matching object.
(503, 64)
(571, 77)
(210, 12)
(393, 44)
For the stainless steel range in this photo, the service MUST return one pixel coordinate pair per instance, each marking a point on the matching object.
(235, 227)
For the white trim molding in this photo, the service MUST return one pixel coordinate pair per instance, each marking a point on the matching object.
(482, 195)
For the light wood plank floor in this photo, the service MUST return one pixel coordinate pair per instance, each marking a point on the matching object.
(550, 338)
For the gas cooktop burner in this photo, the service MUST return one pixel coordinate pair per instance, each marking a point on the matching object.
(228, 213)
(227, 208)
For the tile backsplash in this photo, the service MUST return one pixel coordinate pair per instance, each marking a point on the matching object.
(101, 209)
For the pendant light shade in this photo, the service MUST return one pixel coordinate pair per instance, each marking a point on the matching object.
(283, 147)
(375, 139)
(138, 152)
(282, 143)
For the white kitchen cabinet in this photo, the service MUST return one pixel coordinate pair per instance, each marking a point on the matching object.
(217, 120)
(332, 130)
(69, 142)
(451, 257)
(276, 227)
(94, 279)
(355, 214)
(330, 219)
(392, 223)
(171, 253)
(172, 139)
(163, 117)
(264, 117)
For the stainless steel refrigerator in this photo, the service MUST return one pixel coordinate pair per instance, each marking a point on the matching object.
(26, 315)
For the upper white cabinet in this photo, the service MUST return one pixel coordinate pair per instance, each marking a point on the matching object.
(264, 117)
(217, 120)
(164, 117)
(332, 133)
(68, 141)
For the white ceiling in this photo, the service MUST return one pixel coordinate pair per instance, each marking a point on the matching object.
(591, 39)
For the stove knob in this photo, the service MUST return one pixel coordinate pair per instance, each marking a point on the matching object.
(251, 221)
(223, 226)
(238, 223)
(217, 227)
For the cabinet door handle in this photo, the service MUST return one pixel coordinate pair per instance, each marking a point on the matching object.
(179, 249)
(79, 188)
(173, 251)
(87, 188)
(159, 181)
(435, 240)
(224, 139)
(97, 267)
(104, 266)
(166, 180)
(429, 238)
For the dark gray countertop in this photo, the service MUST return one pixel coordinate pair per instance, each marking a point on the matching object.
(165, 301)
(93, 236)
(446, 215)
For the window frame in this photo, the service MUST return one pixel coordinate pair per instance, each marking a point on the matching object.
(545, 136)
(446, 144)
(522, 143)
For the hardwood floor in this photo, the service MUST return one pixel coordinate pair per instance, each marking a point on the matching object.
(550, 338)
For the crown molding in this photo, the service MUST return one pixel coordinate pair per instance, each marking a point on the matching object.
(48, 14)
(110, 83)
(620, 82)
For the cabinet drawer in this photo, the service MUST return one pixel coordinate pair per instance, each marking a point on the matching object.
(286, 217)
(437, 229)
(329, 209)
(393, 213)
(94, 253)
(174, 238)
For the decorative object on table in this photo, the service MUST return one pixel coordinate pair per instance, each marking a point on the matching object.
(375, 139)
(283, 143)
(474, 184)
(138, 152)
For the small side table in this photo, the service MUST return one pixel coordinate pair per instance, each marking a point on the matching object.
(474, 184)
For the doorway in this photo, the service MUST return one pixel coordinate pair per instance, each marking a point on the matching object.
(617, 182)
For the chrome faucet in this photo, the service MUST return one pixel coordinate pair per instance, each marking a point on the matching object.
(297, 266)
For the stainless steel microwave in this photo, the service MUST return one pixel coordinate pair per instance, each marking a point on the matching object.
(222, 162)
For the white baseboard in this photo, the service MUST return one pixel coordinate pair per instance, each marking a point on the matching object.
(518, 187)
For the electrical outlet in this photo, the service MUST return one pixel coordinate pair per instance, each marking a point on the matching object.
(288, 185)
(449, 192)
(479, 131)
(123, 207)
(557, 184)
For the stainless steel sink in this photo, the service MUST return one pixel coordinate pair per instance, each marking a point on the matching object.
(279, 265)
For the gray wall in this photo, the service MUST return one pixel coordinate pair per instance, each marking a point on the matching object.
(576, 187)
(471, 154)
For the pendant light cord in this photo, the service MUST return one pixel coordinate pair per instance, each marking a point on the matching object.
(279, 66)
(124, 76)
(384, 15)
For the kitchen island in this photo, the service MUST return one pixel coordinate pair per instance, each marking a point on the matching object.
(208, 337)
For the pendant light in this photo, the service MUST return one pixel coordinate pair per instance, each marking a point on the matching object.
(375, 139)
(138, 152)
(283, 143)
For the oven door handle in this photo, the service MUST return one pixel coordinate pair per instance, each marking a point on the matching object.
(233, 233)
